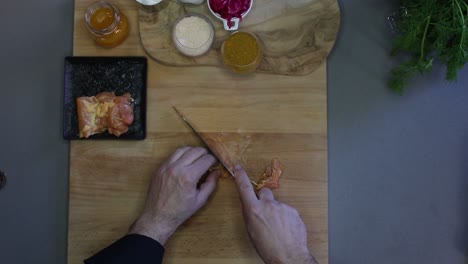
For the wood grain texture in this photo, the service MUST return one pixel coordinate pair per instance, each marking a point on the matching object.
(271, 115)
(297, 35)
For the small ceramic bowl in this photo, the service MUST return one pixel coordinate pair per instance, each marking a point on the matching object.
(235, 21)
(243, 68)
(154, 8)
(194, 51)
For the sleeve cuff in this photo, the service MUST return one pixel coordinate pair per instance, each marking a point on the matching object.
(130, 249)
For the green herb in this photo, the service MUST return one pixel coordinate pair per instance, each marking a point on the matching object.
(430, 29)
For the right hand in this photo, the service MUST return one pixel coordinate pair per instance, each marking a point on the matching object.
(276, 229)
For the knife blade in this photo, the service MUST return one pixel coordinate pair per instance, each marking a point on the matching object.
(204, 141)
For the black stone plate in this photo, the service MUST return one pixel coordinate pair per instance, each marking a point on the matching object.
(89, 76)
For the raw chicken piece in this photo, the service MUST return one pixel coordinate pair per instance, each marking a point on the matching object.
(120, 116)
(88, 121)
(218, 148)
(105, 111)
(220, 143)
(271, 176)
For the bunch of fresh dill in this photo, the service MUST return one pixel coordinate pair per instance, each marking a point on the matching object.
(430, 29)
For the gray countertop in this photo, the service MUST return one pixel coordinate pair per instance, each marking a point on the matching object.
(398, 166)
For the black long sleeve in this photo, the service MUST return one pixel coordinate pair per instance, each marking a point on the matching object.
(129, 250)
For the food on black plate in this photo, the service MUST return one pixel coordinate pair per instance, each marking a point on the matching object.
(104, 112)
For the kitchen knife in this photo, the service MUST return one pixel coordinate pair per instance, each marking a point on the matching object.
(217, 155)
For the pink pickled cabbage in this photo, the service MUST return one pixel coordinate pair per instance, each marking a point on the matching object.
(229, 9)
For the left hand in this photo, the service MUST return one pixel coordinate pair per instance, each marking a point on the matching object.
(173, 196)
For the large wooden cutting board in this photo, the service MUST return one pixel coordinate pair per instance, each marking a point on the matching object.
(279, 116)
(297, 35)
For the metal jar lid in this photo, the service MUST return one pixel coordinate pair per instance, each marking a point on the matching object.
(3, 179)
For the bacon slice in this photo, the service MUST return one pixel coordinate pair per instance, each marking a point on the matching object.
(105, 111)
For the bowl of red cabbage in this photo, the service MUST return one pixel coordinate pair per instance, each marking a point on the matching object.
(231, 12)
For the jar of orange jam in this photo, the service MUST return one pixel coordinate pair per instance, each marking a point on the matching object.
(108, 26)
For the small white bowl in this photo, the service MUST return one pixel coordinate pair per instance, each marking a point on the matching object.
(235, 21)
(194, 51)
(156, 7)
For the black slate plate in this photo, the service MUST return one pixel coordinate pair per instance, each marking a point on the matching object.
(89, 76)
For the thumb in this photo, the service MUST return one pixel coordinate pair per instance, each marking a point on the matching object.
(207, 188)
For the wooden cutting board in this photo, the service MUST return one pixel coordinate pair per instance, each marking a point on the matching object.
(297, 35)
(272, 115)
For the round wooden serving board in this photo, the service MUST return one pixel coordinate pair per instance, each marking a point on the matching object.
(297, 35)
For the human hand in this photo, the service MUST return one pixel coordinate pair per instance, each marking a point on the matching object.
(276, 229)
(173, 196)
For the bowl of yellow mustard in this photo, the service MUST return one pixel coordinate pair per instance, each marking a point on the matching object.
(242, 52)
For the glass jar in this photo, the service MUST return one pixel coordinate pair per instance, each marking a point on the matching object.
(107, 25)
(193, 35)
(242, 52)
